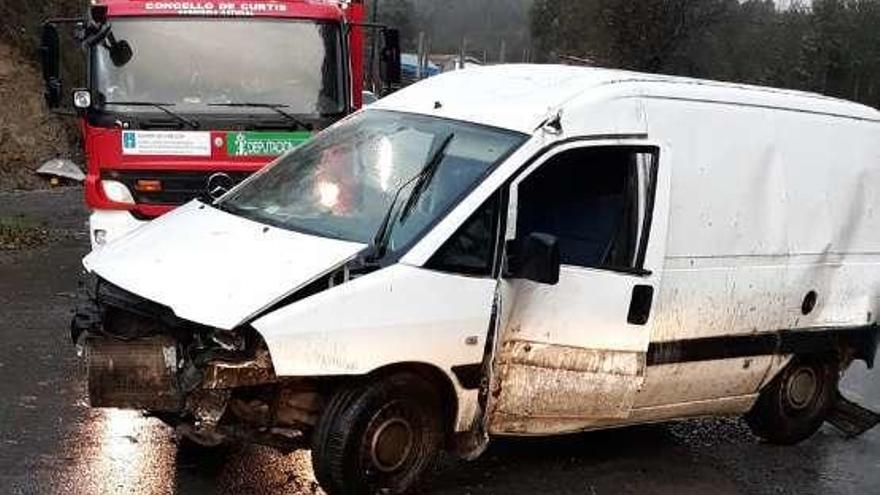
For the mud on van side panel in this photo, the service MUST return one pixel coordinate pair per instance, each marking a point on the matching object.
(547, 381)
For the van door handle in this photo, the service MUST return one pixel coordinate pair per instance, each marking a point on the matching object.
(640, 305)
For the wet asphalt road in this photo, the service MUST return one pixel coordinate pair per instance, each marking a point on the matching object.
(52, 443)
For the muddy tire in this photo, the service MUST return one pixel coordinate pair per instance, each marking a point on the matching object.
(380, 437)
(796, 403)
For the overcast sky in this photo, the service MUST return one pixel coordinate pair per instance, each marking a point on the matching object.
(786, 3)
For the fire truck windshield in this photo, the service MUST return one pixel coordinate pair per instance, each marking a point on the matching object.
(199, 65)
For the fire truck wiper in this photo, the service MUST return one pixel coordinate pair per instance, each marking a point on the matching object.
(275, 107)
(161, 106)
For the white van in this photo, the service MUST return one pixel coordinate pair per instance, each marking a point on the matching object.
(512, 250)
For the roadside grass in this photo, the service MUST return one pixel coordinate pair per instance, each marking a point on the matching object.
(19, 233)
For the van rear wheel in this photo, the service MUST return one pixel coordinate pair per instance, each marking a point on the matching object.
(380, 437)
(796, 403)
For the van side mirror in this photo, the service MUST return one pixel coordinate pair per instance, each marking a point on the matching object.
(50, 57)
(535, 258)
(390, 57)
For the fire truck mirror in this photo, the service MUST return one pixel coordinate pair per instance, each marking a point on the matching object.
(99, 13)
(391, 56)
(121, 53)
(50, 54)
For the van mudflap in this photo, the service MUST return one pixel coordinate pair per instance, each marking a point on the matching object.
(850, 418)
(133, 374)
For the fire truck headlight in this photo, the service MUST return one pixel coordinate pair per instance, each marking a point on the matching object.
(117, 192)
(82, 99)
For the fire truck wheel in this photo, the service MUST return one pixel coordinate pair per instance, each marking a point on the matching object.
(796, 403)
(379, 437)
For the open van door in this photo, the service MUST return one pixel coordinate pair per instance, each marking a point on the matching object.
(574, 332)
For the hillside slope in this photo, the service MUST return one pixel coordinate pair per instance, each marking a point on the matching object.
(29, 134)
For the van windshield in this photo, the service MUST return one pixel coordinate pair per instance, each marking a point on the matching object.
(343, 183)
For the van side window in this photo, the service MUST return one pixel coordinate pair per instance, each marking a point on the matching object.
(596, 201)
(471, 250)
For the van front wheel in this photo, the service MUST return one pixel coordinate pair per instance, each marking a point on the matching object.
(380, 437)
(794, 406)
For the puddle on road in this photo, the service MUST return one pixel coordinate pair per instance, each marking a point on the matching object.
(115, 451)
(122, 452)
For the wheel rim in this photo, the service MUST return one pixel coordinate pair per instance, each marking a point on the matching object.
(802, 387)
(392, 444)
(393, 439)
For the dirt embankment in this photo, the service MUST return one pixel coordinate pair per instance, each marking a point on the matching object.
(29, 133)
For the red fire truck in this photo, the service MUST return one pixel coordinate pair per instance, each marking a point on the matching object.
(187, 98)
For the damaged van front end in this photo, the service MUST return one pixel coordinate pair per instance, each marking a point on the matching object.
(209, 374)
(213, 385)
(163, 323)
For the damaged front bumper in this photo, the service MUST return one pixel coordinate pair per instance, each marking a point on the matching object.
(212, 385)
(136, 374)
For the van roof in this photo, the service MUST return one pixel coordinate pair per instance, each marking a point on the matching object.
(520, 96)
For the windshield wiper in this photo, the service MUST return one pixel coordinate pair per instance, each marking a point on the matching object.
(380, 240)
(422, 179)
(275, 107)
(161, 106)
(426, 176)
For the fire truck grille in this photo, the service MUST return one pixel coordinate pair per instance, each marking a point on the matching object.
(173, 188)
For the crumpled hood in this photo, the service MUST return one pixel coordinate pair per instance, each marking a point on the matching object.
(215, 268)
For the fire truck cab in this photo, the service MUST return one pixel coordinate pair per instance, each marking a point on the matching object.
(186, 99)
